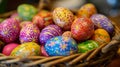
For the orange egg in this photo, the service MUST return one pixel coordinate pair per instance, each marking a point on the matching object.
(87, 10)
(101, 36)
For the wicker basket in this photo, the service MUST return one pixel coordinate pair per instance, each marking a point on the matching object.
(100, 56)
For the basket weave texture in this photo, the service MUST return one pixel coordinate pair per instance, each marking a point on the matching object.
(99, 56)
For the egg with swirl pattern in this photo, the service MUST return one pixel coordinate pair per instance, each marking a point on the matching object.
(49, 32)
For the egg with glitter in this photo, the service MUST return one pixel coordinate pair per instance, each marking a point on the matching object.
(87, 46)
(101, 21)
(82, 29)
(26, 49)
(49, 32)
(43, 19)
(86, 10)
(26, 11)
(61, 46)
(29, 33)
(63, 17)
(9, 30)
(101, 36)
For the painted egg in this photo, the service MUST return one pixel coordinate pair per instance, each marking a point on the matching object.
(87, 45)
(26, 49)
(67, 34)
(82, 29)
(8, 48)
(102, 21)
(63, 17)
(61, 46)
(24, 23)
(43, 19)
(101, 36)
(9, 30)
(26, 11)
(87, 10)
(49, 32)
(29, 33)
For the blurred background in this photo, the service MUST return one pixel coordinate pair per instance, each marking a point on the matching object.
(107, 7)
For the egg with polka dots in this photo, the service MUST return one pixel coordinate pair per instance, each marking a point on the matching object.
(61, 46)
(49, 32)
(9, 30)
(29, 33)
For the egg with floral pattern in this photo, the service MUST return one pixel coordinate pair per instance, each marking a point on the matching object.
(43, 19)
(49, 32)
(82, 29)
(29, 33)
(61, 46)
(26, 49)
(26, 11)
(101, 21)
(67, 34)
(87, 46)
(87, 10)
(63, 17)
(9, 30)
(101, 36)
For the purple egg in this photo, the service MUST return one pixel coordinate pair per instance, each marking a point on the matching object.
(9, 30)
(102, 21)
(49, 32)
(29, 33)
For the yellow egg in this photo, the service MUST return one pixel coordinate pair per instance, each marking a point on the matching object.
(101, 36)
(86, 10)
(26, 49)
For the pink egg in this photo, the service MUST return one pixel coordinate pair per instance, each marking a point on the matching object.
(8, 48)
(43, 51)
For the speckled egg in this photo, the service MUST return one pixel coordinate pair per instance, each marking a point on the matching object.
(43, 19)
(101, 36)
(49, 32)
(67, 34)
(9, 30)
(63, 17)
(87, 10)
(61, 46)
(26, 11)
(29, 33)
(87, 45)
(102, 21)
(26, 49)
(82, 29)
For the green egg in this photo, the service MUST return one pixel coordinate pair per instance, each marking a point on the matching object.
(26, 11)
(87, 45)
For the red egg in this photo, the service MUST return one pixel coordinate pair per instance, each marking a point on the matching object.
(42, 19)
(82, 29)
(8, 48)
(44, 53)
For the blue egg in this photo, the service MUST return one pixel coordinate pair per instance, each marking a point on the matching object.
(61, 46)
